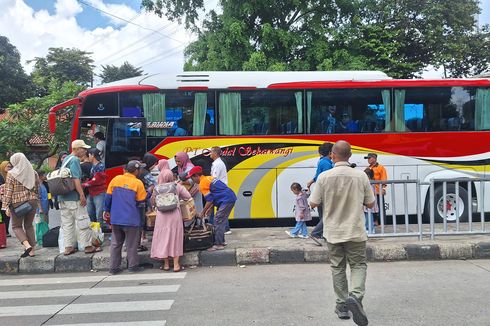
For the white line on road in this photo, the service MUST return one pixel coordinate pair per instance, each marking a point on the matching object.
(127, 323)
(89, 291)
(82, 308)
(98, 278)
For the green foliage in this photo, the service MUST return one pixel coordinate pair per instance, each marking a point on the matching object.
(112, 73)
(30, 118)
(62, 65)
(401, 38)
(15, 85)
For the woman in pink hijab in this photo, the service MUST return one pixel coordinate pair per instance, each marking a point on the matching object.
(184, 164)
(168, 234)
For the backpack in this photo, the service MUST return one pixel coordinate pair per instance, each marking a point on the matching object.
(60, 181)
(166, 198)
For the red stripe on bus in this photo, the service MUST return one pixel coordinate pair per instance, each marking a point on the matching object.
(193, 88)
(122, 88)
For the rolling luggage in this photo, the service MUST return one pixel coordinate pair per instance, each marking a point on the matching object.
(3, 236)
(198, 236)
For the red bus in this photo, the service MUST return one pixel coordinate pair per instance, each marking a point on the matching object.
(269, 126)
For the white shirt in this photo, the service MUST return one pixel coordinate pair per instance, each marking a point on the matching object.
(218, 170)
(101, 147)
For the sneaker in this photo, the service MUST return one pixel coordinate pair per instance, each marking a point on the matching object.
(342, 311)
(228, 232)
(115, 271)
(290, 234)
(358, 314)
(136, 269)
(302, 236)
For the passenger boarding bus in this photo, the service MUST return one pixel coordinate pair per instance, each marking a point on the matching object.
(270, 124)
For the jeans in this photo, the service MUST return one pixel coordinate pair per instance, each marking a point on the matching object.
(367, 216)
(95, 208)
(211, 220)
(300, 228)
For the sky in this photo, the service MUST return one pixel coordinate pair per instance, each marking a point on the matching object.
(113, 30)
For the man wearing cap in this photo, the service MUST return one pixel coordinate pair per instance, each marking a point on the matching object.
(379, 174)
(96, 187)
(215, 193)
(125, 196)
(73, 204)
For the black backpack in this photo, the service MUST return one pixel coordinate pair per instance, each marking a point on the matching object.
(50, 238)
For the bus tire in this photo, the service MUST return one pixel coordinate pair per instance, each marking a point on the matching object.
(450, 202)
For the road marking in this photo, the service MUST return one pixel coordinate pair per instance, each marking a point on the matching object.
(126, 323)
(94, 279)
(89, 291)
(82, 308)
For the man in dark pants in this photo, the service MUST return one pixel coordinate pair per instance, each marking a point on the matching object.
(324, 164)
(125, 195)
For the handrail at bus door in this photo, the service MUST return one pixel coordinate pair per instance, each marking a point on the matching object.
(54, 109)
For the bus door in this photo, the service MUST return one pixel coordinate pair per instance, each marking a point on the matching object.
(125, 140)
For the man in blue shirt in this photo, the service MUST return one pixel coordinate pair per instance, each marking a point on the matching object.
(324, 164)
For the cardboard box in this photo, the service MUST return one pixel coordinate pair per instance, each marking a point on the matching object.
(188, 209)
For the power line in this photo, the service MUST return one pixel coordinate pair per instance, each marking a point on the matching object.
(166, 55)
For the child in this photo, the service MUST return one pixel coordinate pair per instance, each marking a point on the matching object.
(369, 212)
(302, 212)
(44, 199)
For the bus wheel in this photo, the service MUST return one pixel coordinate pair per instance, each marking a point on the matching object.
(451, 201)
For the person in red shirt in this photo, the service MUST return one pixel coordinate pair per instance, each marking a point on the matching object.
(96, 187)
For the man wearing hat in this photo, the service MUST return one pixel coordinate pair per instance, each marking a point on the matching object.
(73, 204)
(216, 193)
(96, 187)
(125, 196)
(379, 174)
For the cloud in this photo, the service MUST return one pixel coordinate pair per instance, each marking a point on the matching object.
(157, 46)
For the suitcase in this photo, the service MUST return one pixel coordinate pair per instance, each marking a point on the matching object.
(3, 236)
(198, 236)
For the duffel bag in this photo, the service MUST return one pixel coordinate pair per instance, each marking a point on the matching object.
(50, 238)
(60, 181)
(198, 236)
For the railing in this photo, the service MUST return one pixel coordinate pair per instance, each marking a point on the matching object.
(453, 205)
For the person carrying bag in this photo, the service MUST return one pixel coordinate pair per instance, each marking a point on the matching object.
(20, 200)
(60, 181)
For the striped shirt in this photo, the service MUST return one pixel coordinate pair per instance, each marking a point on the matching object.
(14, 192)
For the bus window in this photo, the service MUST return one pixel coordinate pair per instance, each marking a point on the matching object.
(363, 110)
(482, 114)
(261, 112)
(104, 104)
(126, 139)
(434, 109)
(89, 127)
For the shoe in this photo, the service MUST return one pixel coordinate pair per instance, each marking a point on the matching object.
(136, 269)
(228, 232)
(315, 240)
(302, 236)
(115, 271)
(342, 311)
(26, 252)
(290, 234)
(358, 314)
(215, 248)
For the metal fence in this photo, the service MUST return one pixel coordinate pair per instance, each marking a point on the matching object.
(408, 208)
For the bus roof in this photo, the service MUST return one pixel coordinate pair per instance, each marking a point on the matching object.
(245, 79)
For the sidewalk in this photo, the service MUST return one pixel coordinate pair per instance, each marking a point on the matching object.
(253, 246)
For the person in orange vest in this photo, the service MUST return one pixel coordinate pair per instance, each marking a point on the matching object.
(380, 190)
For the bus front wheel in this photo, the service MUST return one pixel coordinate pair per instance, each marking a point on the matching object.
(455, 205)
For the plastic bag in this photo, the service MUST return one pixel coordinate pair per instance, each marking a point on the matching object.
(97, 234)
(42, 227)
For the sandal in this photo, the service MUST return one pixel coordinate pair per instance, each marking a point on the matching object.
(26, 252)
(69, 251)
(180, 269)
(93, 250)
(215, 247)
(164, 269)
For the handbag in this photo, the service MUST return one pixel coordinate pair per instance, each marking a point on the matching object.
(60, 181)
(22, 209)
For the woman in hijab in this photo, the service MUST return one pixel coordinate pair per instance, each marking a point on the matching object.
(5, 166)
(184, 165)
(168, 234)
(22, 185)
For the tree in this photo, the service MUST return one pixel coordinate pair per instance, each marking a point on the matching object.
(112, 73)
(62, 65)
(401, 38)
(30, 118)
(15, 85)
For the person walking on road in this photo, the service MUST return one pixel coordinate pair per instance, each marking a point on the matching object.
(125, 197)
(73, 205)
(22, 188)
(168, 234)
(324, 164)
(218, 194)
(380, 190)
(343, 192)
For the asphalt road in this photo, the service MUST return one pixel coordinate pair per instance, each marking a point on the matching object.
(401, 293)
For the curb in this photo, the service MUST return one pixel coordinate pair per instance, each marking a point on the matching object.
(80, 262)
